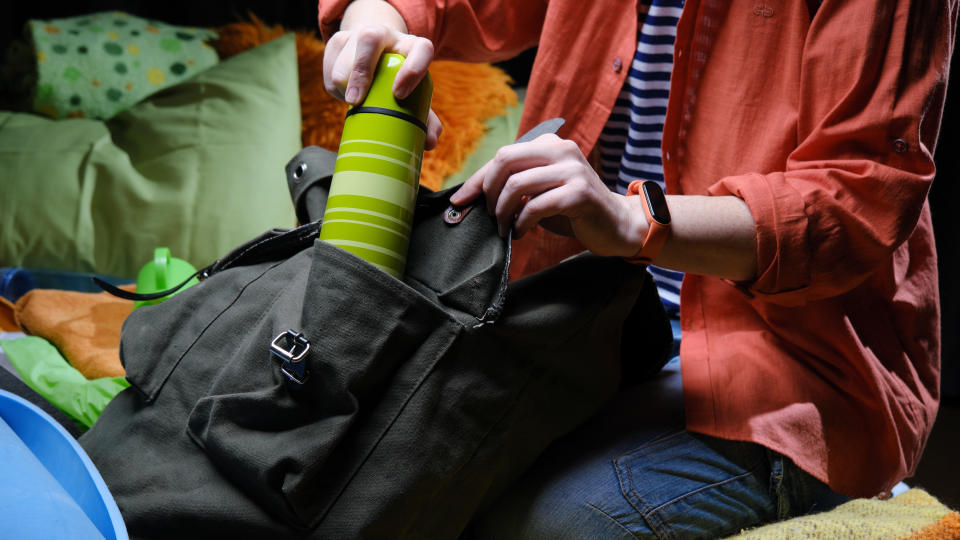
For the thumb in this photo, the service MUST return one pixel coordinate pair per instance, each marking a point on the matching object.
(434, 129)
(470, 189)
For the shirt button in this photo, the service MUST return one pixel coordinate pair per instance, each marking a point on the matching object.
(617, 65)
(900, 146)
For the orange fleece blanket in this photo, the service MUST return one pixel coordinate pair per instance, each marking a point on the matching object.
(7, 321)
(85, 327)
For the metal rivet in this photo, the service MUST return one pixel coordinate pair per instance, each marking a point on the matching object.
(617, 65)
(301, 168)
(900, 146)
(453, 214)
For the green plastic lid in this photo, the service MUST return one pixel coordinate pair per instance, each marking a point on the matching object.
(417, 104)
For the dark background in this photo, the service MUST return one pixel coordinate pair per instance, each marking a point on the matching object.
(935, 473)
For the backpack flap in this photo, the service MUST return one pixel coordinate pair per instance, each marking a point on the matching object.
(371, 342)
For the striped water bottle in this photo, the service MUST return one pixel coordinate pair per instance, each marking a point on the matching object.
(374, 187)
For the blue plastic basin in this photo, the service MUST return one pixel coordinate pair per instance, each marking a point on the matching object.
(49, 488)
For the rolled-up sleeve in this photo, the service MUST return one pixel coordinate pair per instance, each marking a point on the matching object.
(329, 15)
(470, 31)
(872, 88)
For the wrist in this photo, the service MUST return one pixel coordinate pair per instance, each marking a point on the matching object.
(370, 13)
(653, 202)
(636, 226)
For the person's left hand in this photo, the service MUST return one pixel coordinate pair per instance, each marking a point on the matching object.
(549, 181)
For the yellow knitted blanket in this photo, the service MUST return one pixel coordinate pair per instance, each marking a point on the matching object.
(914, 515)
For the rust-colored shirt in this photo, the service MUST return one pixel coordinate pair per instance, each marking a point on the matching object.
(826, 129)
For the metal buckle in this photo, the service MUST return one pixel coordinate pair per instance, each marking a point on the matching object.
(290, 347)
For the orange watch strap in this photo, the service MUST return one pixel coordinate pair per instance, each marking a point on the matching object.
(656, 234)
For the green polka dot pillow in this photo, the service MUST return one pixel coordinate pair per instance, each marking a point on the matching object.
(94, 66)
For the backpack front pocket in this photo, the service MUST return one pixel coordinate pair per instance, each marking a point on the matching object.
(372, 340)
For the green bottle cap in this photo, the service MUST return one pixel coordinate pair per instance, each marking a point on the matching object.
(416, 105)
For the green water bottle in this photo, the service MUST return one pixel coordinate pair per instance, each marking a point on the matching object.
(374, 187)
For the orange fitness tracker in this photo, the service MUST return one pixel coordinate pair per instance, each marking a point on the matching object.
(658, 217)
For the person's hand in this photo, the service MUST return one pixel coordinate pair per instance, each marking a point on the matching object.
(549, 181)
(350, 60)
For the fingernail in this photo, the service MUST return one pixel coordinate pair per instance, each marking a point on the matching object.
(351, 96)
(401, 91)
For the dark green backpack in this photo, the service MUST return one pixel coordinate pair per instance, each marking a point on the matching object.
(298, 391)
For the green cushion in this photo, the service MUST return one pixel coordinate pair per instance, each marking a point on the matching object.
(98, 64)
(197, 167)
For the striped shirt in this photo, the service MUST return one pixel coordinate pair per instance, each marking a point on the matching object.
(630, 141)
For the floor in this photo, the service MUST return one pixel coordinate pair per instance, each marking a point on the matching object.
(939, 471)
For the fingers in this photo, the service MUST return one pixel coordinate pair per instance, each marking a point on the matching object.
(549, 182)
(335, 65)
(350, 61)
(370, 43)
(472, 187)
(525, 186)
(434, 129)
(518, 157)
(418, 52)
(524, 165)
(546, 205)
(546, 181)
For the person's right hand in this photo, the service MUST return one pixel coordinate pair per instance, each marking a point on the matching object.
(350, 60)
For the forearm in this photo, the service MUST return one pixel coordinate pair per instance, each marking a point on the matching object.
(370, 12)
(713, 236)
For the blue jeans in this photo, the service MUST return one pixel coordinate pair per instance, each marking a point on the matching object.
(635, 472)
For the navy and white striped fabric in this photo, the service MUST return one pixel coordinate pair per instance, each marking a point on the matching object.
(630, 141)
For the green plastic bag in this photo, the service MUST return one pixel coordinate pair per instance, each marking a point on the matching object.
(45, 370)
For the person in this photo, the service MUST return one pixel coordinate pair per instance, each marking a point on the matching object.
(796, 150)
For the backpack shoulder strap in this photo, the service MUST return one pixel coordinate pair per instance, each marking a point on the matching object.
(309, 173)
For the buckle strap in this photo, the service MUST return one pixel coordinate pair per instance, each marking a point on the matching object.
(142, 297)
(271, 247)
(309, 173)
(290, 347)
